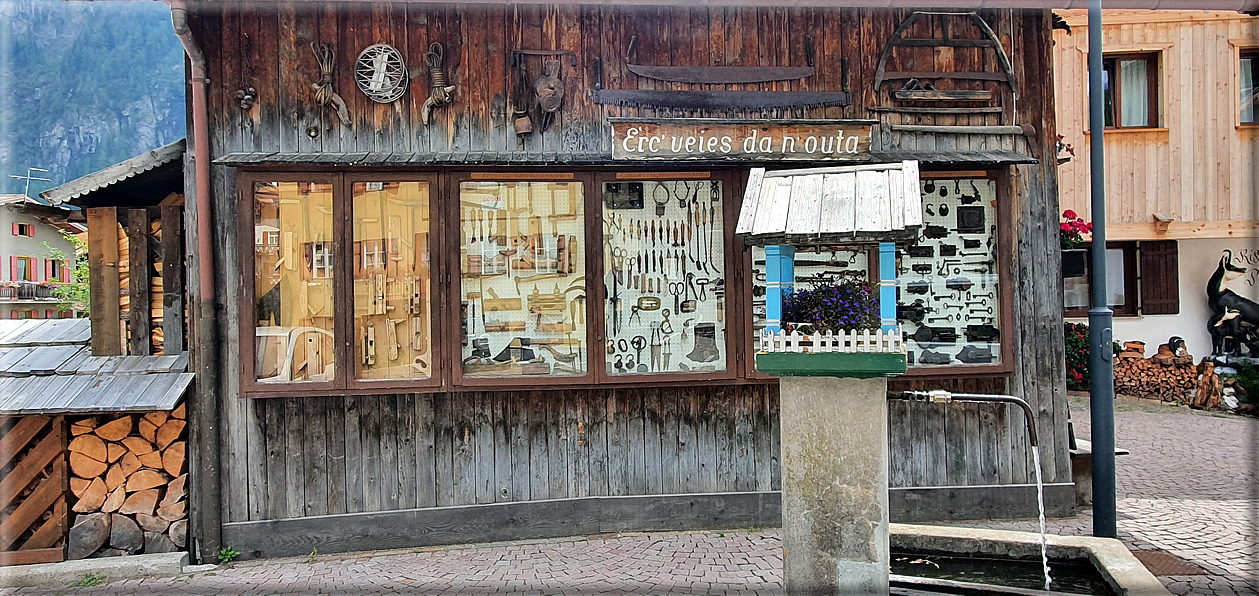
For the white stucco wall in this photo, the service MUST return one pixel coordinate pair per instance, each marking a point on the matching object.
(1198, 260)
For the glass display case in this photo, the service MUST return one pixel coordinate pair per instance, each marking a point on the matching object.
(948, 279)
(392, 281)
(523, 286)
(664, 277)
(293, 285)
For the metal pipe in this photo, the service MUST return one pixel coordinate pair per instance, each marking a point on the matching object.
(1101, 364)
(940, 396)
(205, 516)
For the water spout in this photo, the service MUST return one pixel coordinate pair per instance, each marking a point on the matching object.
(941, 396)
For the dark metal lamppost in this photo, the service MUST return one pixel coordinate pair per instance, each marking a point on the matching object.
(1101, 357)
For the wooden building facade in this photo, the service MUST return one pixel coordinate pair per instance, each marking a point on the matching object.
(494, 396)
(1181, 178)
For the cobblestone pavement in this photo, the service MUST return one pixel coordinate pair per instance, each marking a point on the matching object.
(1189, 487)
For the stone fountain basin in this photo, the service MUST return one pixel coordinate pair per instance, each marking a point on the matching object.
(1121, 570)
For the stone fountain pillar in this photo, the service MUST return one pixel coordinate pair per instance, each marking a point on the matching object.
(834, 485)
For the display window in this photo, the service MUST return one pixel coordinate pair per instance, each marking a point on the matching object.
(392, 280)
(950, 303)
(949, 279)
(294, 293)
(522, 279)
(664, 271)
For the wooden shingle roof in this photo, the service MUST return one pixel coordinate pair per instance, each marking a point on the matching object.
(47, 367)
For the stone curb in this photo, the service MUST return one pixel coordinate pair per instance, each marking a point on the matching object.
(67, 573)
(1125, 574)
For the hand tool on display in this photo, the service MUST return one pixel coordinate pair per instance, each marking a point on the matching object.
(960, 284)
(913, 313)
(703, 288)
(369, 345)
(616, 306)
(550, 91)
(921, 269)
(935, 232)
(720, 100)
(979, 309)
(721, 75)
(980, 333)
(948, 250)
(944, 318)
(391, 336)
(655, 346)
(928, 209)
(638, 343)
(913, 287)
(921, 251)
(666, 327)
(943, 266)
(677, 289)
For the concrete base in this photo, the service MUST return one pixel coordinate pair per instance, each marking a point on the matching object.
(67, 573)
(834, 485)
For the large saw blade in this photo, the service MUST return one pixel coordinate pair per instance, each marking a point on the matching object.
(721, 75)
(721, 100)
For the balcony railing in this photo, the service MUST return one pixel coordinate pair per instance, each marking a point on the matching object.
(26, 290)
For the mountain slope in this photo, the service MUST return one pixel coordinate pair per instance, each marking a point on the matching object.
(84, 85)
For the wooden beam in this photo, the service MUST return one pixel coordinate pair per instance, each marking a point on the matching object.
(138, 271)
(172, 279)
(497, 522)
(1183, 230)
(104, 285)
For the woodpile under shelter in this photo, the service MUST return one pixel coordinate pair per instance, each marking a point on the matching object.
(92, 448)
(468, 272)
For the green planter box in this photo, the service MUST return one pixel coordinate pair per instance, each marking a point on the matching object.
(858, 365)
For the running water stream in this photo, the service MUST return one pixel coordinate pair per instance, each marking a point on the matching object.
(1040, 502)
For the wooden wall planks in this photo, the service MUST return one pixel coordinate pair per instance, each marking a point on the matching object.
(1198, 165)
(389, 452)
(478, 42)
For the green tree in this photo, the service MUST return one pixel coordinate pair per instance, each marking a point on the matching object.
(75, 295)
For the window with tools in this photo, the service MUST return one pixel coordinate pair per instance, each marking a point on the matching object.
(342, 282)
(523, 283)
(949, 302)
(1130, 90)
(664, 273)
(365, 281)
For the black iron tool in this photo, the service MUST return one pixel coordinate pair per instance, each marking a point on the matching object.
(959, 283)
(983, 332)
(918, 287)
(720, 100)
(921, 251)
(721, 75)
(913, 313)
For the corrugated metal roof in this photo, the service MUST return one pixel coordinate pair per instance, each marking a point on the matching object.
(412, 159)
(996, 157)
(115, 173)
(865, 203)
(46, 367)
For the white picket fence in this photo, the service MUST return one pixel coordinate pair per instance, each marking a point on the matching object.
(878, 341)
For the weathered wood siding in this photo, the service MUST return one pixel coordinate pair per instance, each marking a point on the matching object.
(1199, 165)
(313, 456)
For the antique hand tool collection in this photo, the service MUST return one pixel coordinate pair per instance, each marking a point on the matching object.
(948, 280)
(524, 288)
(664, 275)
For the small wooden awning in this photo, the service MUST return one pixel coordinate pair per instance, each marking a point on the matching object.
(850, 204)
(47, 367)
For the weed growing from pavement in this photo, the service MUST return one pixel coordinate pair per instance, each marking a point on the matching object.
(314, 552)
(90, 579)
(227, 554)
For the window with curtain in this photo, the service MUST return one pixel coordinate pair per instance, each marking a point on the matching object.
(1249, 74)
(1130, 87)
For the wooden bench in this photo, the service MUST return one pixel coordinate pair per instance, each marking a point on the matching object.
(1082, 469)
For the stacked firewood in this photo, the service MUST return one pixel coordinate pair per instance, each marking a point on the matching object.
(130, 483)
(1165, 376)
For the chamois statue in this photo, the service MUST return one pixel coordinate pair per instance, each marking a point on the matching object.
(1221, 300)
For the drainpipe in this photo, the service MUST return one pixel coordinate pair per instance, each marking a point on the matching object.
(204, 537)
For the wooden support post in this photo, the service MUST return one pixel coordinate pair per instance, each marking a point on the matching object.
(102, 258)
(141, 343)
(173, 278)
